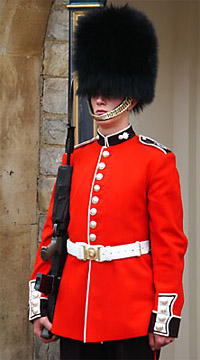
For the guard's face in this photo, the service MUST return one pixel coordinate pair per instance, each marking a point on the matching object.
(101, 104)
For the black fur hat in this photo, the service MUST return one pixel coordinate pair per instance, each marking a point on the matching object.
(115, 54)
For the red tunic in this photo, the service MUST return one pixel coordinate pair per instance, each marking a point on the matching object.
(138, 198)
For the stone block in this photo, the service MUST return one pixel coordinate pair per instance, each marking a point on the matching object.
(40, 4)
(45, 187)
(55, 95)
(47, 351)
(19, 106)
(54, 351)
(61, 2)
(16, 332)
(27, 31)
(56, 59)
(41, 220)
(58, 26)
(54, 130)
(50, 159)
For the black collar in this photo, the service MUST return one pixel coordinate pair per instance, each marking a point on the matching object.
(116, 138)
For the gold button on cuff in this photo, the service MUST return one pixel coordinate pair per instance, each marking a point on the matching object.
(159, 328)
(35, 294)
(92, 237)
(34, 302)
(164, 302)
(163, 310)
(161, 319)
(35, 311)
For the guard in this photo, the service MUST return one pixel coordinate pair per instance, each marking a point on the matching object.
(121, 290)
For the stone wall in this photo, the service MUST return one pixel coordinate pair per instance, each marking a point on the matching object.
(54, 90)
(22, 30)
(54, 85)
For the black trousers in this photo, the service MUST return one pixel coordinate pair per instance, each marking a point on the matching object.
(134, 348)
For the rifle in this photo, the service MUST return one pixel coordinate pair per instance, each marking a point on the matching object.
(49, 284)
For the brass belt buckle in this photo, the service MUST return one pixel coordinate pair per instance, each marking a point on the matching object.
(91, 253)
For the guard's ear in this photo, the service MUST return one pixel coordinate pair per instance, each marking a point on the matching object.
(134, 102)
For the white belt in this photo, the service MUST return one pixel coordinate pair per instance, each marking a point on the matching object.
(83, 251)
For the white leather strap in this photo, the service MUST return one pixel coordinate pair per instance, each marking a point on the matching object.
(83, 251)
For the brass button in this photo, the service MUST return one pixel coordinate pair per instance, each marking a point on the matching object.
(93, 224)
(92, 254)
(102, 165)
(92, 237)
(93, 211)
(95, 199)
(99, 176)
(106, 153)
(96, 188)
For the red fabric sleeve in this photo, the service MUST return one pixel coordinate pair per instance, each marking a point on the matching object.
(168, 244)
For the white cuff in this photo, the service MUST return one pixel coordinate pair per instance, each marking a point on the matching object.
(34, 301)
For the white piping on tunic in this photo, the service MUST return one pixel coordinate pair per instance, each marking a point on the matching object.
(88, 234)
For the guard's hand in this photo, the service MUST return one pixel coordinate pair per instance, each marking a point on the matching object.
(38, 327)
(158, 341)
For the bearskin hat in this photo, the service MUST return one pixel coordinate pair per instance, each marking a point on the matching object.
(115, 54)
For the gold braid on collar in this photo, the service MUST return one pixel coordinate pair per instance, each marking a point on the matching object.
(111, 114)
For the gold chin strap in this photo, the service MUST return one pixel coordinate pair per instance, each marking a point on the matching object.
(115, 112)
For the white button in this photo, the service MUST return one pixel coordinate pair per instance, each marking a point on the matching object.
(95, 199)
(102, 166)
(35, 311)
(106, 154)
(35, 294)
(96, 188)
(164, 302)
(93, 211)
(159, 328)
(162, 319)
(92, 237)
(34, 302)
(93, 224)
(163, 309)
(99, 176)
